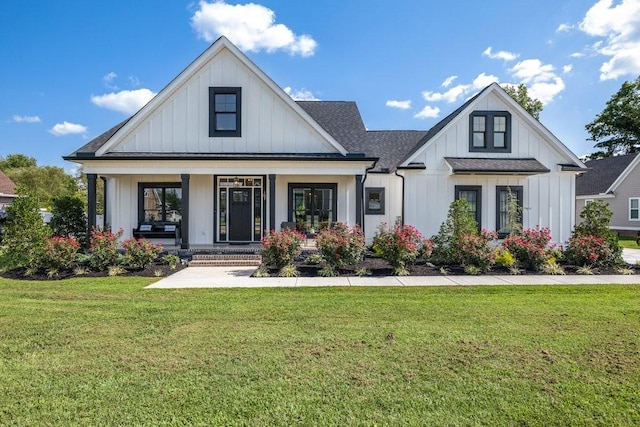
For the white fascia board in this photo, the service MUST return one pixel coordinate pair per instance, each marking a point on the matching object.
(596, 196)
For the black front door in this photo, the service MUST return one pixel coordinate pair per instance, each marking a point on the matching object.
(240, 215)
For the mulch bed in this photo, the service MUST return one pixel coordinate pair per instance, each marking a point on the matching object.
(154, 270)
(379, 267)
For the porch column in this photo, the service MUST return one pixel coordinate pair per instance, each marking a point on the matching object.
(359, 200)
(91, 202)
(272, 202)
(184, 228)
(104, 201)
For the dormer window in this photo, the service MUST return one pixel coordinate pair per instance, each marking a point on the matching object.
(490, 131)
(224, 111)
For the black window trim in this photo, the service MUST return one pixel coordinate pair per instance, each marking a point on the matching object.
(312, 186)
(217, 90)
(367, 195)
(164, 186)
(478, 189)
(488, 132)
(519, 191)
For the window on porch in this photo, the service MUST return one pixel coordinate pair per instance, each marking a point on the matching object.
(312, 206)
(159, 202)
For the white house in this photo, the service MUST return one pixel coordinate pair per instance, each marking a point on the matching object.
(223, 154)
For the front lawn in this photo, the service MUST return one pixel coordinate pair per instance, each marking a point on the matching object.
(104, 351)
(628, 242)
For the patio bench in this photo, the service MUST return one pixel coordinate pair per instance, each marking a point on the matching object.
(158, 230)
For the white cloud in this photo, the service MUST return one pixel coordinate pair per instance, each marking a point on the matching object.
(402, 105)
(619, 26)
(447, 82)
(563, 28)
(134, 81)
(25, 119)
(541, 79)
(577, 55)
(483, 80)
(567, 69)
(250, 26)
(452, 95)
(301, 95)
(125, 101)
(66, 128)
(427, 112)
(108, 79)
(507, 56)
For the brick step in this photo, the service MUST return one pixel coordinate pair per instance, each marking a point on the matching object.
(225, 263)
(226, 257)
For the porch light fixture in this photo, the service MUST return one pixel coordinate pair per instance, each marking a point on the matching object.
(236, 182)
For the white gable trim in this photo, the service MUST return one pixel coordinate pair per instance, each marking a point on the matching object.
(213, 50)
(514, 106)
(625, 173)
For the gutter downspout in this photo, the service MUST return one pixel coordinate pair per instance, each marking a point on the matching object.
(402, 197)
(364, 178)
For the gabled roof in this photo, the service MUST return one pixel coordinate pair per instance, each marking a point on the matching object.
(7, 187)
(514, 106)
(391, 147)
(604, 175)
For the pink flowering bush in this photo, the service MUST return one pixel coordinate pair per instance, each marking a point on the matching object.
(279, 248)
(590, 251)
(341, 246)
(475, 250)
(140, 253)
(103, 245)
(530, 247)
(400, 246)
(59, 253)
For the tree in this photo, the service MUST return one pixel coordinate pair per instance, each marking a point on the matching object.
(45, 183)
(616, 130)
(24, 231)
(520, 94)
(16, 161)
(68, 218)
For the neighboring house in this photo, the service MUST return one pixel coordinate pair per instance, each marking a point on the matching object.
(7, 191)
(615, 181)
(229, 155)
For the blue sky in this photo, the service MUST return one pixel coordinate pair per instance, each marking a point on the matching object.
(73, 69)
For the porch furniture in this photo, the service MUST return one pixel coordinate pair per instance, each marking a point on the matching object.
(158, 230)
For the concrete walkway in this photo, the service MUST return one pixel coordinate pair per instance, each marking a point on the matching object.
(238, 277)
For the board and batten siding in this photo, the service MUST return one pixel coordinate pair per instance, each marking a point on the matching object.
(181, 123)
(547, 198)
(393, 202)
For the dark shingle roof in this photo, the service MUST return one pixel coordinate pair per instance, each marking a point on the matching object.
(94, 145)
(6, 185)
(510, 166)
(601, 174)
(341, 119)
(391, 146)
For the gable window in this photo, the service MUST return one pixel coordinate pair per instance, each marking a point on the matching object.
(490, 131)
(634, 209)
(504, 195)
(224, 111)
(159, 202)
(473, 195)
(374, 201)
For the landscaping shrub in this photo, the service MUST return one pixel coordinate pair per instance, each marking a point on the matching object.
(459, 222)
(504, 258)
(399, 246)
(69, 218)
(103, 245)
(140, 253)
(341, 246)
(24, 233)
(529, 248)
(588, 250)
(59, 253)
(279, 248)
(475, 250)
(596, 220)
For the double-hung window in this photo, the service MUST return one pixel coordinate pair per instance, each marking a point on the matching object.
(473, 195)
(508, 212)
(634, 209)
(224, 111)
(490, 131)
(159, 202)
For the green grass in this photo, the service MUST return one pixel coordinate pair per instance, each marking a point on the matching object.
(628, 242)
(107, 352)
